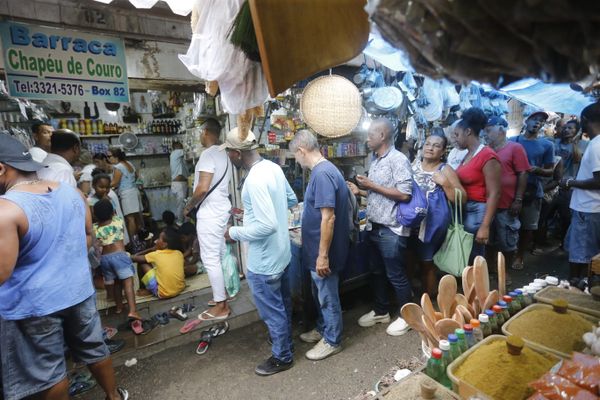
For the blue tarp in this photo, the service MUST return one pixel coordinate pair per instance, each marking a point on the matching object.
(557, 97)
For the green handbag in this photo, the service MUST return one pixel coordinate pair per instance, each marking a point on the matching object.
(454, 254)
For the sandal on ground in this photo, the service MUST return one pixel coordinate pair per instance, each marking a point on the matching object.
(177, 312)
(190, 326)
(517, 265)
(210, 317)
(161, 318)
(78, 387)
(187, 307)
(109, 332)
(219, 329)
(148, 325)
(114, 345)
(137, 326)
(204, 344)
(79, 376)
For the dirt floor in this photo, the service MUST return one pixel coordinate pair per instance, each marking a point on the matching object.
(226, 371)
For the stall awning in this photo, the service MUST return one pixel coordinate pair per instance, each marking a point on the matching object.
(179, 7)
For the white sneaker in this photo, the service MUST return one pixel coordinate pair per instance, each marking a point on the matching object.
(370, 319)
(311, 336)
(397, 328)
(322, 350)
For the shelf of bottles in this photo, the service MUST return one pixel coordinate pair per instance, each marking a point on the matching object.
(344, 150)
(102, 129)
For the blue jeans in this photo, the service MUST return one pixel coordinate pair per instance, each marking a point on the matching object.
(326, 294)
(274, 304)
(473, 214)
(388, 263)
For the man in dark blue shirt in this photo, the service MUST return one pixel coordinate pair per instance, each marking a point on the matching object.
(325, 242)
(540, 153)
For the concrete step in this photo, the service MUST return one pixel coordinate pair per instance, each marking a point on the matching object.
(243, 313)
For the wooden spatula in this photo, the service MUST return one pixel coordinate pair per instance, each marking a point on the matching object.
(492, 299)
(446, 293)
(427, 307)
(430, 328)
(501, 274)
(464, 311)
(466, 286)
(446, 326)
(413, 315)
(482, 279)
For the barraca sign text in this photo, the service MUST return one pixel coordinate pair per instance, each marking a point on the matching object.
(52, 63)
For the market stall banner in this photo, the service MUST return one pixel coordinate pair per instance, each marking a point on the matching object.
(58, 64)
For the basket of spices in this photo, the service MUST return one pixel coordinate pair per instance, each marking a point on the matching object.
(577, 300)
(554, 328)
(501, 367)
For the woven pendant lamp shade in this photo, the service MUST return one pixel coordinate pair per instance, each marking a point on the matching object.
(331, 106)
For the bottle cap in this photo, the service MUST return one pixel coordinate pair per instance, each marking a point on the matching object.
(502, 304)
(460, 333)
(490, 313)
(497, 309)
(436, 353)
(475, 323)
(519, 291)
(552, 280)
(452, 338)
(444, 345)
(513, 294)
(468, 327)
(484, 318)
(507, 298)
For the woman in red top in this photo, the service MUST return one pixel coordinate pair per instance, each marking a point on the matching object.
(479, 173)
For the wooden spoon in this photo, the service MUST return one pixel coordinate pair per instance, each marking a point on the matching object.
(482, 279)
(430, 328)
(501, 274)
(438, 316)
(446, 326)
(466, 285)
(477, 306)
(413, 315)
(446, 293)
(427, 307)
(458, 317)
(461, 300)
(464, 311)
(492, 299)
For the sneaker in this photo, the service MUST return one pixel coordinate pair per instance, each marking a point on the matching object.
(322, 350)
(123, 393)
(311, 336)
(370, 319)
(272, 366)
(397, 328)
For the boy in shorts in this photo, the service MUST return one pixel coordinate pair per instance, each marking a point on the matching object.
(160, 268)
(115, 263)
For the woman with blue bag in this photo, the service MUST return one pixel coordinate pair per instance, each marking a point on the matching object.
(438, 181)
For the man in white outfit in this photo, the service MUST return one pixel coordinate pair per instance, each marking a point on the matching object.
(212, 170)
(179, 182)
(41, 133)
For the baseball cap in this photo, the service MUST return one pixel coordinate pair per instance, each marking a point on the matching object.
(15, 154)
(495, 120)
(543, 113)
(234, 142)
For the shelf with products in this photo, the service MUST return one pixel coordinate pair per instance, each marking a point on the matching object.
(135, 155)
(139, 135)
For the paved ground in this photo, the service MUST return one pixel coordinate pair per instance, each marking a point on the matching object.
(227, 370)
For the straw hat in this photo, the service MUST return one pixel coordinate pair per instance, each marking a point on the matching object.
(331, 105)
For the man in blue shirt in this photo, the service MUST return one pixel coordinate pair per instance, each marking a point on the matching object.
(266, 196)
(540, 153)
(47, 300)
(325, 242)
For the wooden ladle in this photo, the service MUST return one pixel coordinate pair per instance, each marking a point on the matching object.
(446, 293)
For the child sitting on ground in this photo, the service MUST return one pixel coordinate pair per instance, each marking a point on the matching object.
(115, 263)
(160, 268)
(191, 249)
(168, 218)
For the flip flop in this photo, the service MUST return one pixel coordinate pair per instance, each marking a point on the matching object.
(204, 344)
(211, 317)
(186, 307)
(137, 326)
(219, 329)
(79, 376)
(161, 318)
(109, 332)
(79, 387)
(189, 326)
(114, 345)
(148, 325)
(177, 312)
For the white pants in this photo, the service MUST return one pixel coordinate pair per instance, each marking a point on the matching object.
(211, 237)
(180, 191)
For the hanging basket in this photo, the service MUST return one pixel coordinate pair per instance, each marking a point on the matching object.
(331, 106)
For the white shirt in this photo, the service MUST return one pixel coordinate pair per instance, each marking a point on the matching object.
(177, 162)
(588, 201)
(216, 162)
(456, 156)
(38, 154)
(58, 170)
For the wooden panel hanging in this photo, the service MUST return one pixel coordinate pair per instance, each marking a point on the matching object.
(298, 38)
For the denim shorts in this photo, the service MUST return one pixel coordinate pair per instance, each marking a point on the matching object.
(116, 266)
(32, 350)
(583, 237)
(504, 234)
(473, 213)
(530, 215)
(149, 280)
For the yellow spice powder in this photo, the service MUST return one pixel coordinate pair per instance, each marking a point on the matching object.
(562, 332)
(501, 375)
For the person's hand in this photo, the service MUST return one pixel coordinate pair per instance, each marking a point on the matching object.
(227, 237)
(534, 170)
(322, 267)
(353, 188)
(483, 235)
(515, 207)
(439, 178)
(186, 210)
(364, 182)
(564, 183)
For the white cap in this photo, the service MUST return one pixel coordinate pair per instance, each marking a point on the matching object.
(552, 280)
(484, 318)
(444, 345)
(233, 141)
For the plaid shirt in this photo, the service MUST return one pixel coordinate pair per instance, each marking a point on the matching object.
(391, 170)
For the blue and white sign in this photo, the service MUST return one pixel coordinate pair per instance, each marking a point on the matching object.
(58, 64)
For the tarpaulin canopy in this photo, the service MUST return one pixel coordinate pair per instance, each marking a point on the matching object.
(557, 97)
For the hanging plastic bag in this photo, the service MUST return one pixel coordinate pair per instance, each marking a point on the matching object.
(453, 256)
(230, 272)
